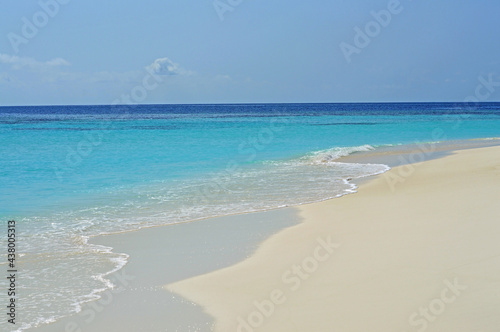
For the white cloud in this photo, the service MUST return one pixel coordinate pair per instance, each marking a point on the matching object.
(222, 77)
(165, 66)
(57, 62)
(17, 62)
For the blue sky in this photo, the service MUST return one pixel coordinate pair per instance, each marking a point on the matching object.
(100, 52)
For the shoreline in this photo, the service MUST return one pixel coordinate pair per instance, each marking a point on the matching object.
(264, 234)
(420, 245)
(187, 249)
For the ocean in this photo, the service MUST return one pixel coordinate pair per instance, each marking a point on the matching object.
(68, 173)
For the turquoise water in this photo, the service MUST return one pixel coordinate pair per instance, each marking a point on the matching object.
(71, 172)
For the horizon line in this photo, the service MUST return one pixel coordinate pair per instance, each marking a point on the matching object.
(256, 103)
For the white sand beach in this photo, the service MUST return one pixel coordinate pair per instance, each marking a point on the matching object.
(416, 249)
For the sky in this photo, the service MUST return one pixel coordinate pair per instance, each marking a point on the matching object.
(69, 52)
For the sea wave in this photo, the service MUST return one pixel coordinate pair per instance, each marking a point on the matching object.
(60, 242)
(329, 155)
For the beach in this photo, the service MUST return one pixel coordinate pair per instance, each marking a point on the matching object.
(415, 249)
(139, 302)
(196, 188)
(245, 166)
(421, 255)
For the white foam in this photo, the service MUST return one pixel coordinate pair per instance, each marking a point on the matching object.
(315, 177)
(329, 155)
